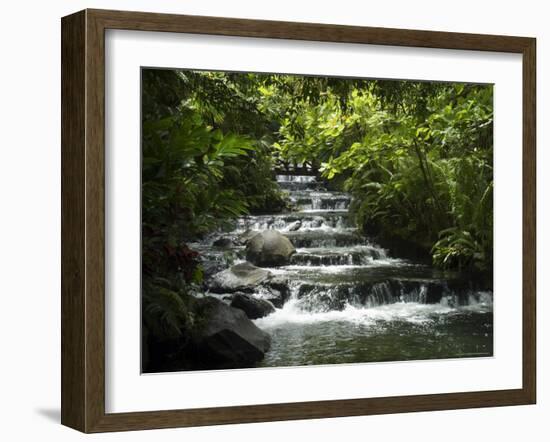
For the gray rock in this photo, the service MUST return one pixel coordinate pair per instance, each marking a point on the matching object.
(269, 248)
(273, 296)
(253, 307)
(276, 290)
(243, 238)
(223, 242)
(224, 297)
(228, 338)
(294, 226)
(241, 277)
(211, 267)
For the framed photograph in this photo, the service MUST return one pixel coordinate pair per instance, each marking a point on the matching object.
(267, 221)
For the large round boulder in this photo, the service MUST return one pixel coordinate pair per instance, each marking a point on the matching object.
(242, 277)
(253, 307)
(269, 248)
(228, 339)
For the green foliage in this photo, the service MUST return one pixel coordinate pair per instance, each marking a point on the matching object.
(206, 160)
(416, 156)
(165, 312)
(457, 248)
(183, 168)
(313, 116)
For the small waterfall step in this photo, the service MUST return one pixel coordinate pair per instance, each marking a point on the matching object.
(382, 269)
(320, 288)
(294, 221)
(323, 298)
(315, 200)
(323, 238)
(296, 178)
(298, 185)
(337, 256)
(293, 183)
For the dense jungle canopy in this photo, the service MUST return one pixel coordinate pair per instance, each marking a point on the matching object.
(416, 156)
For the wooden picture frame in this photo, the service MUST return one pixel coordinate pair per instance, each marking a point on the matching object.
(83, 220)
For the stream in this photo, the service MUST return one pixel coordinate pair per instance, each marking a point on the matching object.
(350, 301)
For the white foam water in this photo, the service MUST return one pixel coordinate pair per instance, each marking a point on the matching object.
(338, 269)
(296, 178)
(412, 312)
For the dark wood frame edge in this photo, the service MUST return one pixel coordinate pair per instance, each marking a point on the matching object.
(83, 235)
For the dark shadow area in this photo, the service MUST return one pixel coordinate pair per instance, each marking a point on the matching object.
(51, 414)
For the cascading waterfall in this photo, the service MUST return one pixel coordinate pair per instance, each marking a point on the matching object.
(346, 289)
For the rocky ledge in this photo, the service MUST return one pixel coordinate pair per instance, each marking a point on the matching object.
(229, 338)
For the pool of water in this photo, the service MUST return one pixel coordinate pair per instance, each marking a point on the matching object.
(395, 332)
